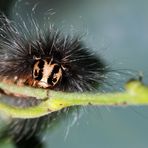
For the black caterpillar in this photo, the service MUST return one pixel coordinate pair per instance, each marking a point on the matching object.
(49, 60)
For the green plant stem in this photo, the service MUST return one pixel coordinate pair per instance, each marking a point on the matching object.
(135, 94)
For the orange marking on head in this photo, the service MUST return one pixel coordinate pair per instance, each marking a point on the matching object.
(47, 76)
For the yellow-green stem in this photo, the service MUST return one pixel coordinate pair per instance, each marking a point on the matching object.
(135, 94)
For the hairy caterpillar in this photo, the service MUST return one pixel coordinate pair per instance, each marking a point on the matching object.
(50, 61)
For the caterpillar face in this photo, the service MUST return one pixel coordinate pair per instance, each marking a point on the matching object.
(47, 73)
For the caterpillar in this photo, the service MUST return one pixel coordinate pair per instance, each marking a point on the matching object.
(49, 60)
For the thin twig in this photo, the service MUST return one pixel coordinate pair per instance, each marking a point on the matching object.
(135, 94)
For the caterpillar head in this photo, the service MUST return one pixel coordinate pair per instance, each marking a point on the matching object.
(47, 73)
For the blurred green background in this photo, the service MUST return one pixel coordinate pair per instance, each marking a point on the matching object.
(116, 29)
